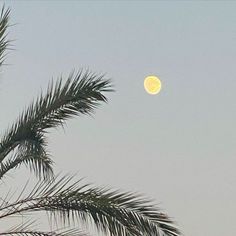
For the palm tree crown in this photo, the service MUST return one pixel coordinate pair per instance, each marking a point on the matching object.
(65, 199)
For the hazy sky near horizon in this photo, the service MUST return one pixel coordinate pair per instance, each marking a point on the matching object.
(178, 147)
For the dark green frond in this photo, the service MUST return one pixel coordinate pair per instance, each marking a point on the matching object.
(4, 24)
(114, 213)
(43, 233)
(80, 94)
(40, 164)
(25, 229)
(30, 152)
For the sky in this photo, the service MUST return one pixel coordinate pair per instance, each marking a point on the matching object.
(177, 147)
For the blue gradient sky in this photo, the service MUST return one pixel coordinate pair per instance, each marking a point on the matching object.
(178, 147)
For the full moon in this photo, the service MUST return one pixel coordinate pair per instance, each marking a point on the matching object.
(152, 84)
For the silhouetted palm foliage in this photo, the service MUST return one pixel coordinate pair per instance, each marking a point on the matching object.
(4, 42)
(66, 200)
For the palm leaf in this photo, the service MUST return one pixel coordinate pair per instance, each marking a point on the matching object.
(25, 229)
(80, 94)
(4, 42)
(112, 212)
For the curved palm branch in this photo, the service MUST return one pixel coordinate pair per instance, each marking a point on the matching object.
(112, 212)
(4, 42)
(25, 229)
(42, 233)
(80, 94)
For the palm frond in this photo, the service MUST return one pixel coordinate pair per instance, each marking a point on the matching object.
(4, 24)
(25, 229)
(41, 164)
(80, 94)
(32, 153)
(112, 212)
(43, 233)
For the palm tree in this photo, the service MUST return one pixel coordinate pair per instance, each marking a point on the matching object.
(63, 198)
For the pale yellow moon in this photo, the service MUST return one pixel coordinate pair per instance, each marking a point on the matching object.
(152, 84)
